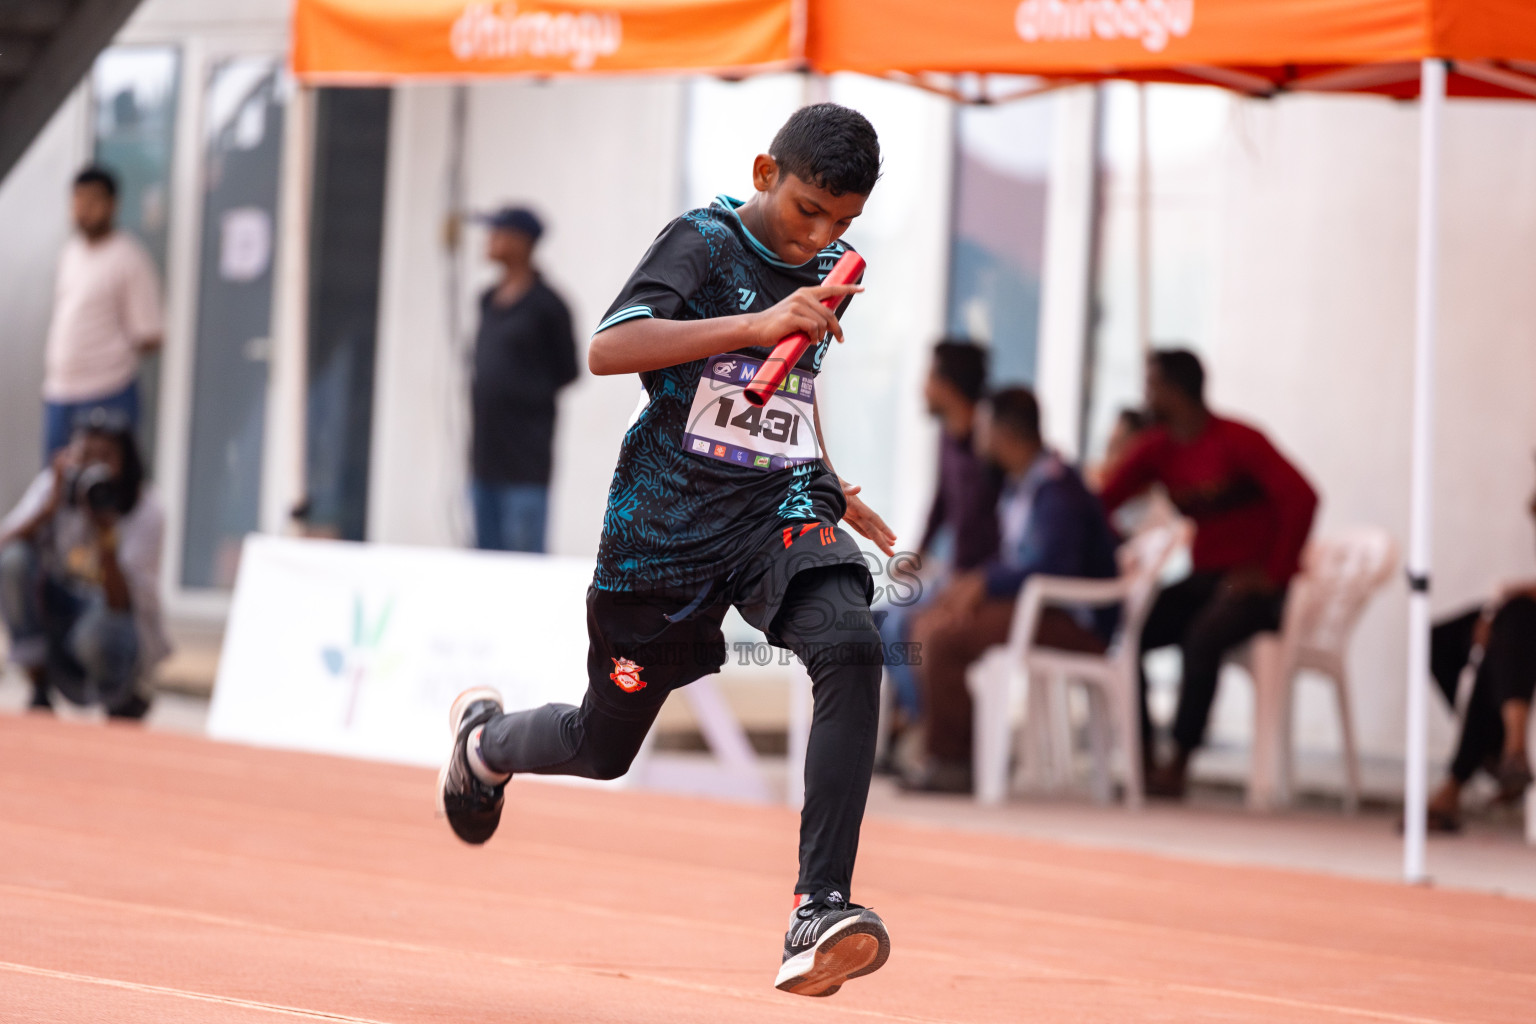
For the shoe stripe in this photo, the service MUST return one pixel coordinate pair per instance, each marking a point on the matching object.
(819, 968)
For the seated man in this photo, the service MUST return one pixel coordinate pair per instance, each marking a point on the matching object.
(964, 510)
(1051, 524)
(1252, 512)
(79, 573)
(1497, 717)
(962, 522)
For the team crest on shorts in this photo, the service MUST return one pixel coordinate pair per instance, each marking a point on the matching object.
(626, 675)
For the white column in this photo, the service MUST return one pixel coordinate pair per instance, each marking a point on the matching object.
(1143, 222)
(1431, 104)
(283, 463)
(1066, 286)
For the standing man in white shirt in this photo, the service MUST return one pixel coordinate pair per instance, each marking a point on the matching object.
(106, 315)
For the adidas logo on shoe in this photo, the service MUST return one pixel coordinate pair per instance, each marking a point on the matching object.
(828, 942)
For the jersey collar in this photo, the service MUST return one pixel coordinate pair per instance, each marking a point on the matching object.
(731, 206)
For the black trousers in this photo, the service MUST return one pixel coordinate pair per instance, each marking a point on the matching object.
(1507, 672)
(642, 648)
(1205, 621)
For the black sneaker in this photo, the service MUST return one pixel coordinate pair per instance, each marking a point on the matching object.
(472, 807)
(131, 708)
(829, 941)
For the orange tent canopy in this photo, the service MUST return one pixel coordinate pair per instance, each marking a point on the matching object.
(1254, 46)
(385, 40)
(1258, 47)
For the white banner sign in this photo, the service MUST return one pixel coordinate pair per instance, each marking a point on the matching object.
(359, 649)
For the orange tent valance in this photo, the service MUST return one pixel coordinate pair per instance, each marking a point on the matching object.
(1254, 46)
(1251, 45)
(383, 40)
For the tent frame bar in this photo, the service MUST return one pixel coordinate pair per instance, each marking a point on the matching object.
(935, 82)
(1421, 491)
(1364, 76)
(1518, 77)
(1238, 81)
(1491, 74)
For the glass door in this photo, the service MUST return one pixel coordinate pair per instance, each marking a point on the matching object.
(244, 103)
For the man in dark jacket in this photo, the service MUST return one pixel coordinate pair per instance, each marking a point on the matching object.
(1048, 523)
(524, 355)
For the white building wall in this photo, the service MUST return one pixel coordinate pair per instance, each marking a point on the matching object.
(1314, 337)
(878, 431)
(416, 474)
(603, 162)
(34, 209)
(600, 161)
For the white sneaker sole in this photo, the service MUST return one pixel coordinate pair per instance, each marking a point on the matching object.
(456, 712)
(852, 949)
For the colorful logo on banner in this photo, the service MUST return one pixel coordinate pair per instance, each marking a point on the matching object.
(1153, 22)
(499, 31)
(361, 658)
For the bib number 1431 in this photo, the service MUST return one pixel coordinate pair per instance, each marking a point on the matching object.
(769, 424)
(723, 425)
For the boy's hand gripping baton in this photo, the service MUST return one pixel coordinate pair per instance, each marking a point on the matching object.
(847, 270)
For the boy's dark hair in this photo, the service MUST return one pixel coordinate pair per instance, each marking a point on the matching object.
(831, 147)
(98, 175)
(964, 364)
(1017, 411)
(1181, 368)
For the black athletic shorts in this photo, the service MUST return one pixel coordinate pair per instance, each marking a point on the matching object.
(645, 644)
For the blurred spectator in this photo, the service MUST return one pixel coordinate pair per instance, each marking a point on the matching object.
(1128, 428)
(1050, 523)
(963, 519)
(1252, 512)
(1145, 510)
(106, 314)
(524, 355)
(962, 523)
(80, 571)
(1499, 642)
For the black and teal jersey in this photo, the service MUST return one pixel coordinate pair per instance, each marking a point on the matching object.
(673, 516)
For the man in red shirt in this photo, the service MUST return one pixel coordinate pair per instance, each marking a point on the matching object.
(1252, 512)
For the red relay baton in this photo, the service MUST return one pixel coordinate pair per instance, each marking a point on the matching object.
(847, 270)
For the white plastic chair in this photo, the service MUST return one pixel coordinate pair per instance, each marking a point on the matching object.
(1339, 575)
(1111, 678)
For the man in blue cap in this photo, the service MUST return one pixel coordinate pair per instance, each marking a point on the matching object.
(524, 355)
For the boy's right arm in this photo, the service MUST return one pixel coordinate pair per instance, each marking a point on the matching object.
(652, 343)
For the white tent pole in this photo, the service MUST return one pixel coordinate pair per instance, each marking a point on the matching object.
(1420, 525)
(1143, 222)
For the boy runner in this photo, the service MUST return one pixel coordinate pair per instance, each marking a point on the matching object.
(717, 503)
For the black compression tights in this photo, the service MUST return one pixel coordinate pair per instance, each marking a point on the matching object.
(825, 620)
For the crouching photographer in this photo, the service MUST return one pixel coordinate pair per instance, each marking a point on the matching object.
(79, 574)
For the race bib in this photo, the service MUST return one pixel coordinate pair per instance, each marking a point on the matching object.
(723, 425)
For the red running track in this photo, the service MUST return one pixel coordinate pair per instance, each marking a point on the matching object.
(155, 878)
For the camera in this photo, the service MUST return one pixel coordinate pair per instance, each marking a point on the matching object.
(95, 487)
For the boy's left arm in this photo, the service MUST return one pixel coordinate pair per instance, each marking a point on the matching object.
(864, 520)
